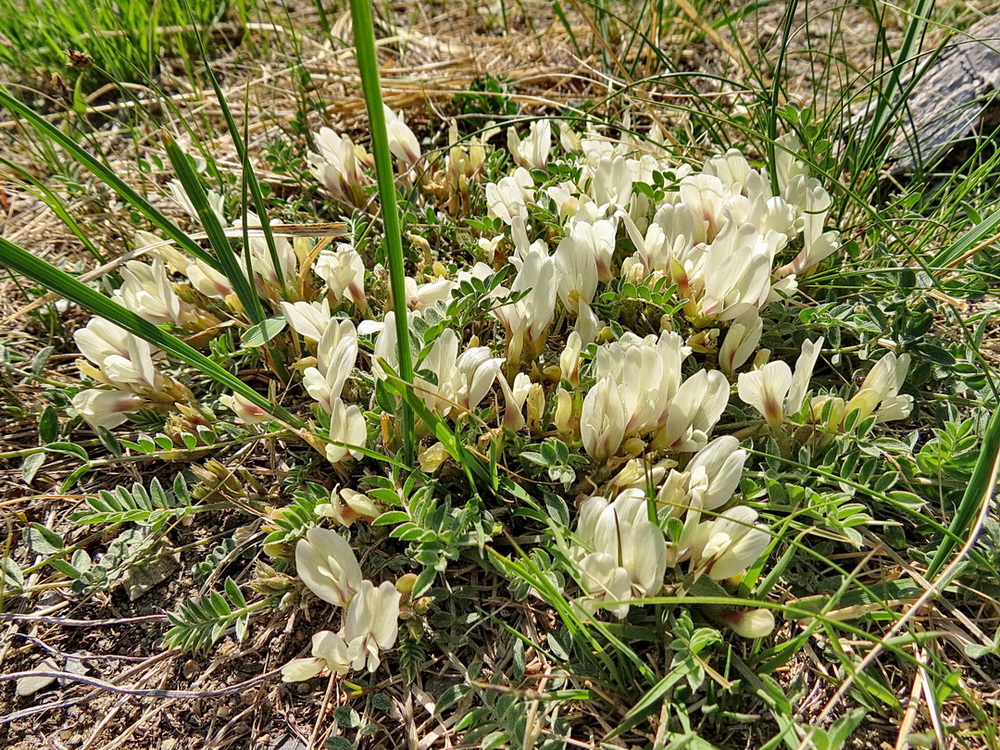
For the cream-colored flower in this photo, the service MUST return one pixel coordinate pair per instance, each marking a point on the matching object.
(329, 651)
(774, 390)
(106, 408)
(372, 624)
(327, 566)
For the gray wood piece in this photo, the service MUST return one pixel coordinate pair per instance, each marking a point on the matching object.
(950, 99)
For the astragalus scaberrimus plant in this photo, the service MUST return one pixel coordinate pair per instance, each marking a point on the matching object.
(609, 382)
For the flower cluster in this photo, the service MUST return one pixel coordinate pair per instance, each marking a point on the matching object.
(622, 551)
(328, 567)
(571, 226)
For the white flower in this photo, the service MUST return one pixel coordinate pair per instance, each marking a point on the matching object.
(754, 623)
(716, 471)
(122, 359)
(337, 167)
(728, 545)
(569, 139)
(879, 393)
(566, 198)
(422, 296)
(475, 371)
(100, 339)
(246, 411)
(588, 325)
(611, 186)
(732, 168)
(347, 428)
(527, 319)
(327, 565)
(180, 196)
(788, 166)
(261, 258)
(308, 319)
(509, 197)
(737, 272)
(774, 391)
(577, 271)
(604, 580)
(817, 245)
(165, 250)
(347, 505)
(514, 396)
(462, 380)
(599, 237)
(343, 270)
(329, 651)
(569, 360)
(372, 624)
(602, 420)
(108, 409)
(694, 410)
(619, 537)
(208, 281)
(704, 195)
(402, 142)
(335, 357)
(533, 151)
(147, 291)
(741, 341)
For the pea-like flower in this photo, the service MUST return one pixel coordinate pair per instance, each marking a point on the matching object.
(726, 546)
(327, 566)
(602, 420)
(147, 291)
(329, 651)
(402, 142)
(372, 624)
(774, 390)
(337, 167)
(879, 393)
(533, 150)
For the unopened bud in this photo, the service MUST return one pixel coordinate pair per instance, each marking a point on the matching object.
(535, 403)
(755, 623)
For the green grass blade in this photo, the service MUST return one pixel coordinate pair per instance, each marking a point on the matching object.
(20, 260)
(364, 39)
(967, 242)
(248, 173)
(54, 202)
(242, 285)
(106, 175)
(980, 489)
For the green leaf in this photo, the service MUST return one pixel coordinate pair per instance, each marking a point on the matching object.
(48, 424)
(70, 449)
(234, 593)
(11, 573)
(263, 332)
(44, 541)
(391, 518)
(30, 466)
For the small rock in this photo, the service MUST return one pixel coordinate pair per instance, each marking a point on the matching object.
(30, 685)
(141, 578)
(287, 743)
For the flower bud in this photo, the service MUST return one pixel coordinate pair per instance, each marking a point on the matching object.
(563, 417)
(755, 623)
(535, 406)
